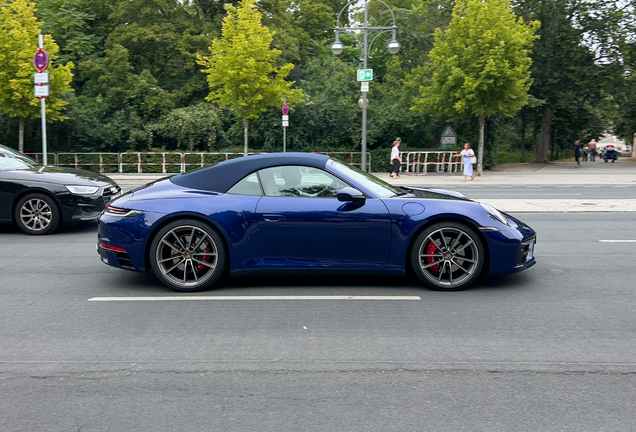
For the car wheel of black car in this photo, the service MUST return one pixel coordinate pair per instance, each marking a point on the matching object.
(188, 255)
(37, 214)
(447, 256)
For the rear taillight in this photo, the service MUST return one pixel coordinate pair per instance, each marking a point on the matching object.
(121, 212)
(116, 210)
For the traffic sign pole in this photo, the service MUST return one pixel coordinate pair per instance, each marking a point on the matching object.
(285, 123)
(43, 106)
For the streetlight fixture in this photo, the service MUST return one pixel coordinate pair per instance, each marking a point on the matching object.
(393, 47)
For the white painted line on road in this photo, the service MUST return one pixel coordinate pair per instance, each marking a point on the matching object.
(532, 194)
(225, 298)
(617, 241)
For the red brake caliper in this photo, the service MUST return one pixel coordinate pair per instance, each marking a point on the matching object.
(431, 250)
(205, 258)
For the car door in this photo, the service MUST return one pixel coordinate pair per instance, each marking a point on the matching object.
(8, 190)
(301, 219)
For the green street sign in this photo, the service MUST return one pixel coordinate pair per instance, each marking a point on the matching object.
(365, 74)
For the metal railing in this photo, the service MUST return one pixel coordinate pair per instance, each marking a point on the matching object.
(83, 160)
(170, 162)
(142, 159)
(419, 162)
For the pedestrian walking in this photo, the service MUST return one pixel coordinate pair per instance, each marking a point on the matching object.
(467, 155)
(577, 153)
(396, 159)
(586, 151)
(592, 145)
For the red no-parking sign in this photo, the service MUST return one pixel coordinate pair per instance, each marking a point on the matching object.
(41, 60)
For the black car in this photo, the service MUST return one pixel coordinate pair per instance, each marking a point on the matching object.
(39, 198)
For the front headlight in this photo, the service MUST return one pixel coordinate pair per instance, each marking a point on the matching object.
(495, 213)
(82, 190)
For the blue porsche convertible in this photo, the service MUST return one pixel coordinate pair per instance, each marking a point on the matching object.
(302, 213)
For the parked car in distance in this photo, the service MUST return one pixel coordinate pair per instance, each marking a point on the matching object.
(39, 198)
(303, 213)
(610, 152)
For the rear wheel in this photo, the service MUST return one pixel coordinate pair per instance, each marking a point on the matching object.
(188, 255)
(447, 256)
(37, 214)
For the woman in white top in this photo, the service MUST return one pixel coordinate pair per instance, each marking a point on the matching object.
(396, 160)
(466, 154)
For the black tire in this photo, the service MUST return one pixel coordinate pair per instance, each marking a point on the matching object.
(37, 214)
(188, 255)
(447, 256)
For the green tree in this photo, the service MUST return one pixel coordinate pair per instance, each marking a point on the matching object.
(19, 30)
(241, 69)
(574, 64)
(480, 64)
(69, 22)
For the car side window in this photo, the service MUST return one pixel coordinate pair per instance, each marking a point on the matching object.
(300, 181)
(247, 186)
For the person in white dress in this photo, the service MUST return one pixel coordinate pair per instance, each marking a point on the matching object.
(466, 154)
(396, 159)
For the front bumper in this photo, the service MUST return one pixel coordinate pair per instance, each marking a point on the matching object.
(80, 208)
(511, 249)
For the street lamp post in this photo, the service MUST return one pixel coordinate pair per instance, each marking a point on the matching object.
(393, 47)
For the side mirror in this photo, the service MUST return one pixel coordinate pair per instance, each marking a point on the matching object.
(349, 194)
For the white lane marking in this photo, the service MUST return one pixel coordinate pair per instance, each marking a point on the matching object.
(617, 241)
(218, 298)
(531, 194)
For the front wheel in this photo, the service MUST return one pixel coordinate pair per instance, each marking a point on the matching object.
(188, 255)
(37, 214)
(447, 256)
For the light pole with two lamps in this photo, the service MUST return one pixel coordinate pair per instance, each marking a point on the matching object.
(393, 47)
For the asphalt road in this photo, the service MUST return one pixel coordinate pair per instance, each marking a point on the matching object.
(549, 349)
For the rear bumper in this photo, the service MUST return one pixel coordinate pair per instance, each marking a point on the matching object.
(114, 258)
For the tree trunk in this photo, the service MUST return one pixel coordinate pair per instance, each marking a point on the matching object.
(480, 148)
(523, 136)
(21, 136)
(245, 128)
(544, 138)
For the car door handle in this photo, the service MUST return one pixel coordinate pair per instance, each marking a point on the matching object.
(273, 217)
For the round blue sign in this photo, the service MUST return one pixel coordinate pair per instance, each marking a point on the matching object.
(41, 60)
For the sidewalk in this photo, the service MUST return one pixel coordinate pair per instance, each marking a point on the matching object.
(623, 172)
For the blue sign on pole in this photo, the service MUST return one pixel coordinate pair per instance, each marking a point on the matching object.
(41, 60)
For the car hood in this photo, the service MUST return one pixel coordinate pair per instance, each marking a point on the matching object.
(62, 175)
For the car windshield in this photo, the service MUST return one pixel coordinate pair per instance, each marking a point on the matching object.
(11, 160)
(379, 187)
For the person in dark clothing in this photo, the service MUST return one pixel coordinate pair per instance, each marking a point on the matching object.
(577, 153)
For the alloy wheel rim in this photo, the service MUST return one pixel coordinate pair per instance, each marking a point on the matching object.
(448, 257)
(36, 214)
(187, 256)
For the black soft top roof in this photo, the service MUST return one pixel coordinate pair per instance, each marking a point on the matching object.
(222, 176)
